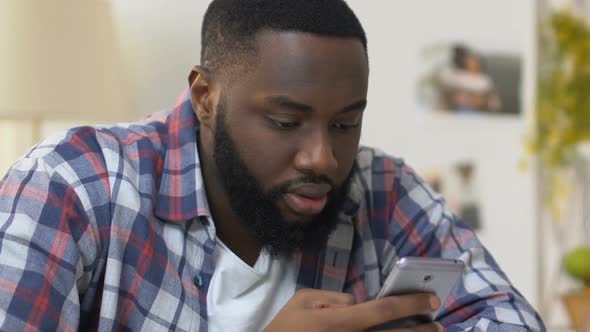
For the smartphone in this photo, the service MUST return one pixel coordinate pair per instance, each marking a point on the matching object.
(421, 275)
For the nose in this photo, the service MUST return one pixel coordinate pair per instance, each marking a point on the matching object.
(316, 155)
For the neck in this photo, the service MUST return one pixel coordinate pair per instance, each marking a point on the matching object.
(228, 226)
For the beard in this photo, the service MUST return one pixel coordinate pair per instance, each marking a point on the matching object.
(258, 211)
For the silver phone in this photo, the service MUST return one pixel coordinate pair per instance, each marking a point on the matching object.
(423, 274)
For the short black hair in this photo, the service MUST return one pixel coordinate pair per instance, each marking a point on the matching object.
(460, 52)
(230, 26)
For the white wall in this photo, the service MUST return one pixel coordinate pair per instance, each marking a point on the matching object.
(162, 43)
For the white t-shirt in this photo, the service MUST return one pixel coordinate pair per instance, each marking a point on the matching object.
(465, 81)
(246, 298)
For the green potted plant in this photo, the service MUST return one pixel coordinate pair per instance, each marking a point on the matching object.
(562, 118)
(577, 265)
(562, 135)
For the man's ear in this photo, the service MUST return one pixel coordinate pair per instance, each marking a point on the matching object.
(201, 89)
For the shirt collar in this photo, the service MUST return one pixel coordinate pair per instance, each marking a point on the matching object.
(181, 195)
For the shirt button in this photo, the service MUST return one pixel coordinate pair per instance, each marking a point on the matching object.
(198, 281)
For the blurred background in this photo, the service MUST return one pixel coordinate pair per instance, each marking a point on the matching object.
(485, 99)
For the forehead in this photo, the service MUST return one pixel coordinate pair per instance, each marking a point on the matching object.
(295, 63)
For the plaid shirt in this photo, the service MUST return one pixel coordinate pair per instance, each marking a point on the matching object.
(109, 229)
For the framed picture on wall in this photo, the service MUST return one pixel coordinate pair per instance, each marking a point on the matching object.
(459, 78)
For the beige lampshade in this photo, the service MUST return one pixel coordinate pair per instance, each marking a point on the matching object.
(60, 59)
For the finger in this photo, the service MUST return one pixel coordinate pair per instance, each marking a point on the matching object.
(365, 315)
(433, 327)
(332, 300)
(318, 299)
(420, 328)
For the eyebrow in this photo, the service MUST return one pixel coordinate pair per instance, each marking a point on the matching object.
(288, 103)
(358, 106)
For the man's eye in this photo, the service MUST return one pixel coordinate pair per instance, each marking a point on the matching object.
(283, 124)
(346, 126)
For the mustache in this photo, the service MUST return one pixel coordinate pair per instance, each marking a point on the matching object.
(306, 179)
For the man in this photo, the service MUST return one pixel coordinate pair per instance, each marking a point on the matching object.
(248, 207)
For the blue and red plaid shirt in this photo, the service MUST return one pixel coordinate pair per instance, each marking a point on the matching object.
(109, 229)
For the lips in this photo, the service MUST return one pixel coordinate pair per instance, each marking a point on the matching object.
(308, 199)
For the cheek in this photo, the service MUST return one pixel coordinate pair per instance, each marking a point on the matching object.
(345, 150)
(268, 159)
(267, 156)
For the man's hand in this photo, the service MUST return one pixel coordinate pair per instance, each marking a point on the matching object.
(311, 310)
